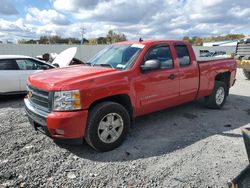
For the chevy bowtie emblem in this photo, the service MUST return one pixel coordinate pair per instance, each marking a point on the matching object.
(30, 94)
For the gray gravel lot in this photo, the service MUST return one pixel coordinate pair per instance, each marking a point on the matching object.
(185, 146)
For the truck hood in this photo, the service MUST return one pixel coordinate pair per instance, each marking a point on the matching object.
(62, 78)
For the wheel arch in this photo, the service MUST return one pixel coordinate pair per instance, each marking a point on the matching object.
(224, 77)
(122, 99)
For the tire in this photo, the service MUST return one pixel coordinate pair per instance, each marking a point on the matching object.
(215, 100)
(246, 74)
(102, 133)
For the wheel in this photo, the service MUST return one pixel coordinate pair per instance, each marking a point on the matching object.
(218, 97)
(107, 126)
(246, 74)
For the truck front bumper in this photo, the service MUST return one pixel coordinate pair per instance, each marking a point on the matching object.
(58, 125)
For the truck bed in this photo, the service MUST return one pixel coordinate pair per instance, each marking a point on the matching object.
(209, 69)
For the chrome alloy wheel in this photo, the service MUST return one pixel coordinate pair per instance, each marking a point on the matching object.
(110, 128)
(220, 96)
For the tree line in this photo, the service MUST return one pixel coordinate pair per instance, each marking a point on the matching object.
(111, 37)
(198, 41)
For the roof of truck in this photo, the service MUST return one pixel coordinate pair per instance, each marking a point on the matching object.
(145, 42)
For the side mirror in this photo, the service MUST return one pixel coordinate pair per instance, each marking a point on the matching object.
(152, 64)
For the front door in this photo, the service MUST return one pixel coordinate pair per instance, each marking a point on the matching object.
(157, 89)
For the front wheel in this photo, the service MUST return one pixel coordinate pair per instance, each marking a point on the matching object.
(218, 97)
(246, 74)
(107, 126)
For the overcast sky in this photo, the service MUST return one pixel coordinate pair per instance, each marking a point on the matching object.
(149, 19)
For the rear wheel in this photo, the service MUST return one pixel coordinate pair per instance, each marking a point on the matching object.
(218, 97)
(107, 126)
(246, 74)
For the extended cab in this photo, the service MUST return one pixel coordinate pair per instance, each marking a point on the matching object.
(99, 101)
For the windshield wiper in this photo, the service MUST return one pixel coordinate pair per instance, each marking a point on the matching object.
(103, 65)
(89, 64)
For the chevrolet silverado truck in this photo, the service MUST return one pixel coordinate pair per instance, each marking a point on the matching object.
(99, 101)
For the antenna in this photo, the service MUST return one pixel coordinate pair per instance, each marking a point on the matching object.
(140, 39)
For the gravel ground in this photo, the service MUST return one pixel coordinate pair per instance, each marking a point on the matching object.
(186, 146)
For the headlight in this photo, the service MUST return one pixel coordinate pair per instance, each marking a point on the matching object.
(67, 100)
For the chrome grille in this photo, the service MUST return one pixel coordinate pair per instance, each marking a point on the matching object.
(39, 98)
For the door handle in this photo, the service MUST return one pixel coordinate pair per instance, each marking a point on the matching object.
(171, 76)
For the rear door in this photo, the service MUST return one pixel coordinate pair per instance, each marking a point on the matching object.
(157, 89)
(188, 72)
(9, 79)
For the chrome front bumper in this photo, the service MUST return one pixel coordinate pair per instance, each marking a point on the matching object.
(35, 114)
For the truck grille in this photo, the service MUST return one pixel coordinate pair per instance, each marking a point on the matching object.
(39, 98)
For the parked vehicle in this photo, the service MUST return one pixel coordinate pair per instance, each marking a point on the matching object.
(220, 54)
(203, 52)
(99, 101)
(242, 56)
(14, 71)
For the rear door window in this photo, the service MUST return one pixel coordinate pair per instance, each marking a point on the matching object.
(183, 55)
(8, 64)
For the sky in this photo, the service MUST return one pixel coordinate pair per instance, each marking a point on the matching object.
(149, 19)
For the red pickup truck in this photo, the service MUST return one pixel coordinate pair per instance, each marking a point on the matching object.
(100, 100)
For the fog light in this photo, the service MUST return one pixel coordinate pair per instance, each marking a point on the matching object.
(59, 131)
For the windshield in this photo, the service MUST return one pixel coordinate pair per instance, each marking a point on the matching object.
(117, 56)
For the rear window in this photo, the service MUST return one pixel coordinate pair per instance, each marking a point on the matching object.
(8, 64)
(183, 55)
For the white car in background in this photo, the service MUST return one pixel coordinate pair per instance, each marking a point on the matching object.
(14, 71)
